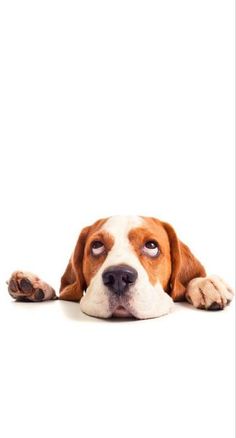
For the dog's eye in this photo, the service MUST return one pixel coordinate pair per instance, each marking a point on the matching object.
(97, 248)
(151, 248)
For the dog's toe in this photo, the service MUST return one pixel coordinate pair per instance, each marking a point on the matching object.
(12, 287)
(39, 294)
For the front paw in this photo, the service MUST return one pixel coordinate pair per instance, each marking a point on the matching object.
(210, 293)
(25, 286)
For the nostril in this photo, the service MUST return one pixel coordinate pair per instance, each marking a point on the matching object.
(126, 279)
(108, 278)
(130, 279)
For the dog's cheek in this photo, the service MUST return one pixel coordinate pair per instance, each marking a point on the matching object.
(95, 301)
(149, 301)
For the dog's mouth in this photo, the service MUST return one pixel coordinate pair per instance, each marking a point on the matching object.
(121, 312)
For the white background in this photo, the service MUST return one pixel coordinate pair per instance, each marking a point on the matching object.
(109, 108)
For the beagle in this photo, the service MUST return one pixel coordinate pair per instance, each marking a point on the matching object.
(128, 266)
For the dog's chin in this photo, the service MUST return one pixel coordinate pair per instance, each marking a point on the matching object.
(121, 312)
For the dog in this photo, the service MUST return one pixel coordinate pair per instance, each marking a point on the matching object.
(128, 266)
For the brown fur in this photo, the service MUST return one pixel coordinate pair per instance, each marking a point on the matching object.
(158, 268)
(91, 264)
(73, 281)
(184, 266)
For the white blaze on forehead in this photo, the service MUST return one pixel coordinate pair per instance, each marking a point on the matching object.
(119, 227)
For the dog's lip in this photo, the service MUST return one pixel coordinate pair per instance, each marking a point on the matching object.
(121, 312)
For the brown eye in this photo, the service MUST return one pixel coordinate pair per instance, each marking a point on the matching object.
(151, 248)
(97, 248)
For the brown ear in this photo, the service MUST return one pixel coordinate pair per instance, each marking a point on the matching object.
(185, 266)
(73, 282)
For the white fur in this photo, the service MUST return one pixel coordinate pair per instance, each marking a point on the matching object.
(204, 291)
(142, 300)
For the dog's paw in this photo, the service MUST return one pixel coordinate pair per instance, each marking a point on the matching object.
(210, 293)
(25, 286)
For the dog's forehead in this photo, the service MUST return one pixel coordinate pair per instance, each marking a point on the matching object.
(120, 226)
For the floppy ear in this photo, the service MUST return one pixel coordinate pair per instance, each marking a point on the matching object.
(184, 267)
(73, 282)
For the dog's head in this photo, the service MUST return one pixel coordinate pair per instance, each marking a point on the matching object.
(129, 266)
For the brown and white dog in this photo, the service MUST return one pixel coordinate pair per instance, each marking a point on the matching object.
(128, 266)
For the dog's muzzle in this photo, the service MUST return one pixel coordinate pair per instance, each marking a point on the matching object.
(119, 278)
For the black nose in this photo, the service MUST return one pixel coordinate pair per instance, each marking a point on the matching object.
(119, 278)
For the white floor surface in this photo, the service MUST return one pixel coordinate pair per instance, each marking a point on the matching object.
(66, 374)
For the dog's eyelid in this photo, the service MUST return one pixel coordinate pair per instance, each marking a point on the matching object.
(151, 243)
(149, 239)
(97, 244)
